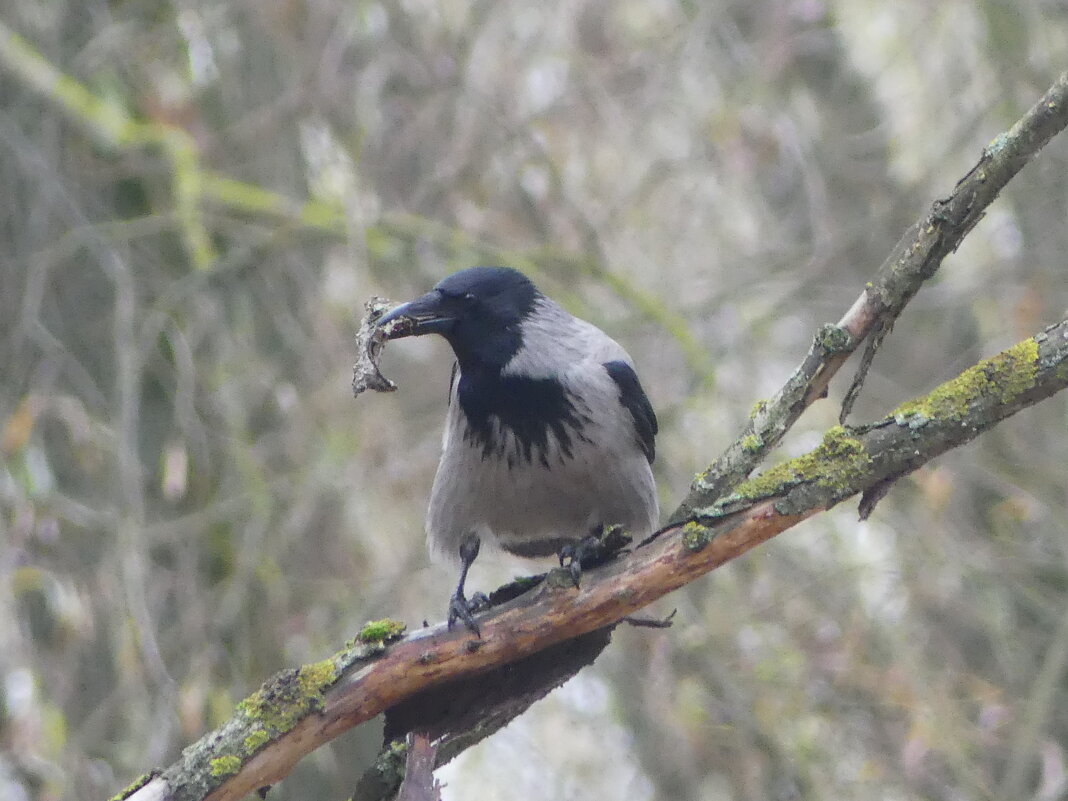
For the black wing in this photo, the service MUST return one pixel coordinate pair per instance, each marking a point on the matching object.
(633, 397)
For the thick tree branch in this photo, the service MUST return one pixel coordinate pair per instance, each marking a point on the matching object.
(301, 710)
(915, 258)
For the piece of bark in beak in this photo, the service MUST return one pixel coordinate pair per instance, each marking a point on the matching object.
(371, 339)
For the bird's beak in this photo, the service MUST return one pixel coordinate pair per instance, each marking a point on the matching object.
(425, 315)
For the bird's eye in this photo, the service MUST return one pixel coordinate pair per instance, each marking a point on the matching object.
(470, 298)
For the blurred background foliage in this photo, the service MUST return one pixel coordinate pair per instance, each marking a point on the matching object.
(199, 196)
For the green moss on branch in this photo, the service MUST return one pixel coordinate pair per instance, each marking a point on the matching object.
(837, 462)
(224, 766)
(1003, 377)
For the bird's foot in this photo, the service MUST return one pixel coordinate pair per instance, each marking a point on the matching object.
(593, 550)
(464, 609)
(588, 550)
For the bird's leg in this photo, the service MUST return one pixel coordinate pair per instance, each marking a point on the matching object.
(460, 608)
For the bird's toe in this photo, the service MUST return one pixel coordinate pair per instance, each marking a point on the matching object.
(464, 609)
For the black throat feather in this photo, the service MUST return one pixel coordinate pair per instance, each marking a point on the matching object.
(535, 411)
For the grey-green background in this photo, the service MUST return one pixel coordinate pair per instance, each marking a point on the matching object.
(190, 498)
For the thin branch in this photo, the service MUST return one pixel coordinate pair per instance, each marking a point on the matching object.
(915, 258)
(321, 701)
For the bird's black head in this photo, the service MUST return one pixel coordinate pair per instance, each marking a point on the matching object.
(479, 311)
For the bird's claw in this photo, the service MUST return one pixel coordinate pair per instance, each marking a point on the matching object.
(566, 553)
(464, 609)
(575, 569)
(588, 551)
